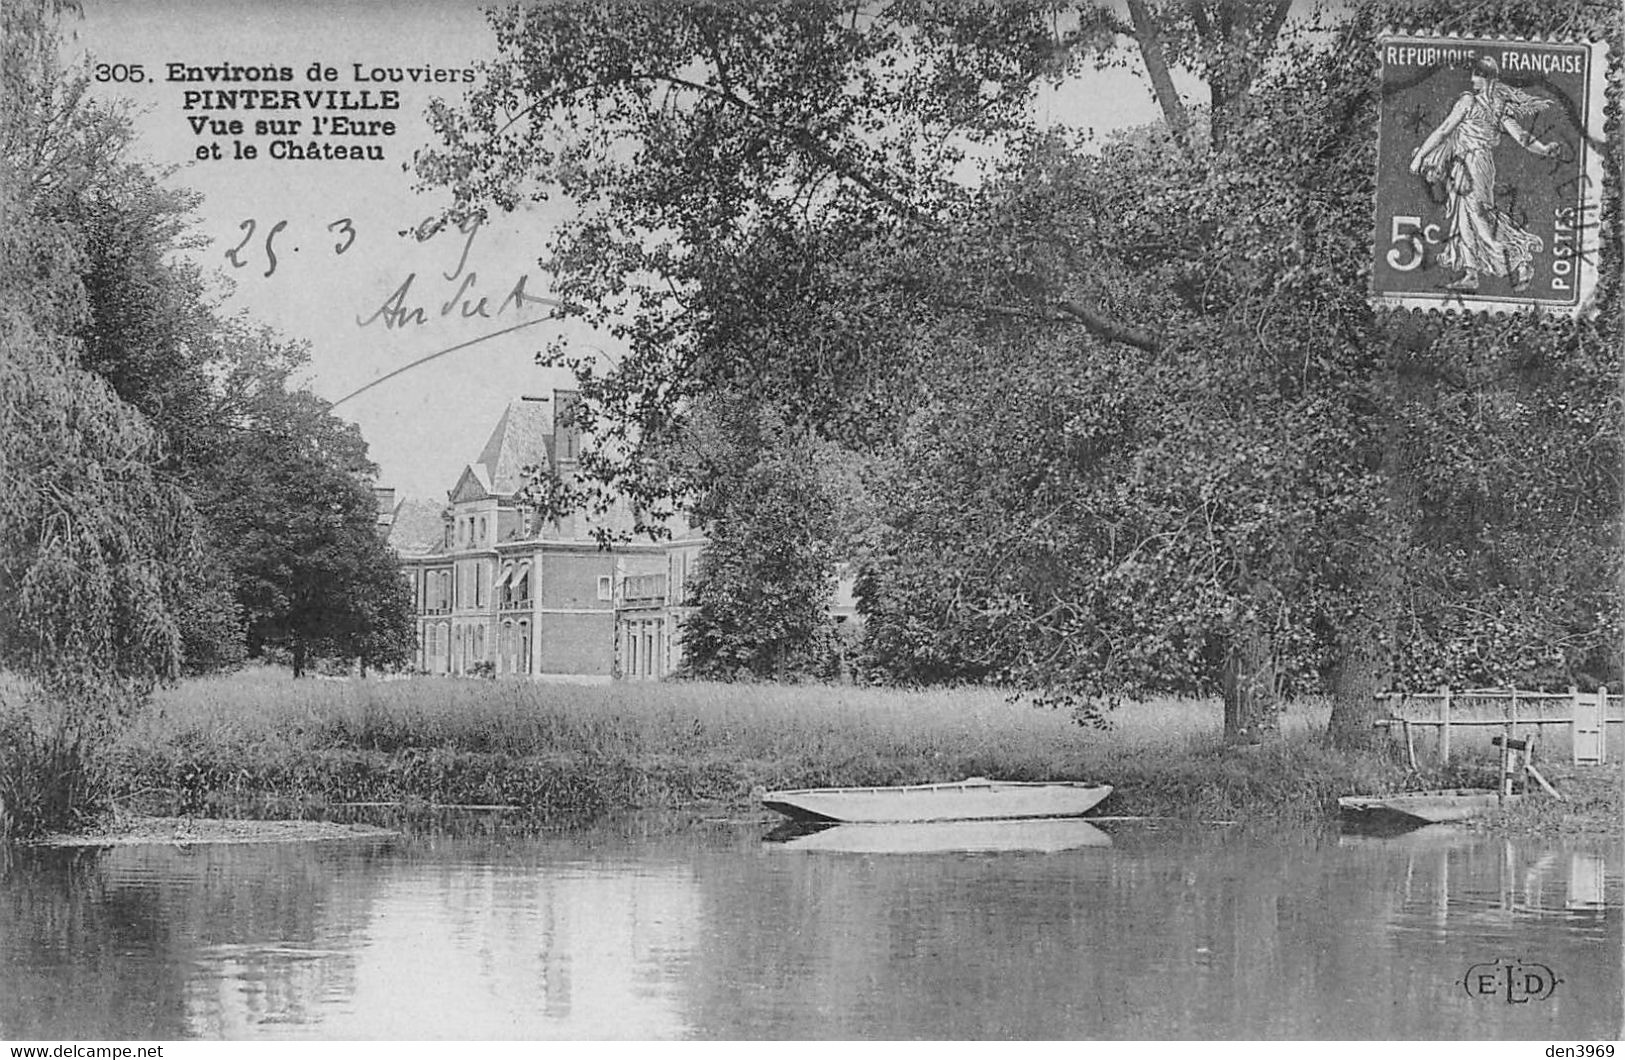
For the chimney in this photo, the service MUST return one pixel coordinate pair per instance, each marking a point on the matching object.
(384, 497)
(566, 431)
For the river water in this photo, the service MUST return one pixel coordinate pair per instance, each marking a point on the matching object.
(688, 928)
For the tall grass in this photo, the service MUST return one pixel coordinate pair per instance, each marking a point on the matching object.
(52, 775)
(694, 720)
(576, 748)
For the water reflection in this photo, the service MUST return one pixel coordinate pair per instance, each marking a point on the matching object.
(650, 930)
(943, 837)
(458, 949)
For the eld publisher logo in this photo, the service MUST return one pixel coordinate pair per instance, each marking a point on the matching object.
(1515, 982)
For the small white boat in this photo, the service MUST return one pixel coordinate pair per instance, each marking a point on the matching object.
(976, 799)
(1036, 836)
(1433, 807)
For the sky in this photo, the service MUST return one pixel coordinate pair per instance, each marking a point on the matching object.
(336, 228)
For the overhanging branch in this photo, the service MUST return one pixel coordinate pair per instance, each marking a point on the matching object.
(1110, 329)
(1068, 312)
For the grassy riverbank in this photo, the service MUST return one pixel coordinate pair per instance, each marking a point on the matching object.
(260, 739)
(557, 749)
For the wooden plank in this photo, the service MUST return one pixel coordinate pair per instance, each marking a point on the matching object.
(1474, 694)
(1529, 767)
(1586, 730)
(1499, 723)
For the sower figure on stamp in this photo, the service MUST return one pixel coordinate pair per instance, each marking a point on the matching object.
(1460, 154)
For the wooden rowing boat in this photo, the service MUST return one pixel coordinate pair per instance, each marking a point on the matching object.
(1038, 836)
(1433, 807)
(976, 799)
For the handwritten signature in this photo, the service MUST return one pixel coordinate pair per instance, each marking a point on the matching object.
(399, 311)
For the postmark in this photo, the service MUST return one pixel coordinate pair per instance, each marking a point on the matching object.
(1489, 174)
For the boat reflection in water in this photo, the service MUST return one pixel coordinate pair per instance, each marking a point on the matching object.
(1511, 880)
(1404, 835)
(974, 799)
(1041, 836)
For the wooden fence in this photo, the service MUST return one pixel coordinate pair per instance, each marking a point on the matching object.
(1587, 717)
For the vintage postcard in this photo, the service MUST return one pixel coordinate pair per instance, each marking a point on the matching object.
(810, 519)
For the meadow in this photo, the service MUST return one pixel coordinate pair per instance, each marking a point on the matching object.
(261, 737)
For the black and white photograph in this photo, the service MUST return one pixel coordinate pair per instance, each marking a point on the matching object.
(1035, 521)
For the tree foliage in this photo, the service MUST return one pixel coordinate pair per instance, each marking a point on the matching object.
(139, 416)
(99, 550)
(101, 556)
(286, 487)
(278, 486)
(1133, 424)
(761, 592)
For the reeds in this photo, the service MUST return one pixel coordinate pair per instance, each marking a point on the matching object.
(573, 749)
(51, 774)
(799, 723)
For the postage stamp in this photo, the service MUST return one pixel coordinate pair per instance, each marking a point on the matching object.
(1489, 174)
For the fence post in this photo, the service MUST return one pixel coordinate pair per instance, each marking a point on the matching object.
(1603, 724)
(1576, 753)
(1444, 723)
(1504, 788)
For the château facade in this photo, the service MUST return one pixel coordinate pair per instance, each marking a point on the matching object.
(498, 590)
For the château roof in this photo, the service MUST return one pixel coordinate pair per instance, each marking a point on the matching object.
(417, 528)
(523, 438)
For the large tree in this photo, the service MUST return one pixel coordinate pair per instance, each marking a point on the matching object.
(286, 487)
(1232, 474)
(761, 592)
(104, 242)
(280, 484)
(102, 558)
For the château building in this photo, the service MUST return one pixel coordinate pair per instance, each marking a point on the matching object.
(498, 590)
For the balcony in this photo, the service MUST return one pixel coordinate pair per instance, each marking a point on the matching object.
(643, 590)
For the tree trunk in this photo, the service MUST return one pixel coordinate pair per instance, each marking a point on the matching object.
(298, 659)
(1362, 671)
(1364, 663)
(1148, 35)
(1252, 699)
